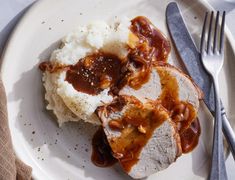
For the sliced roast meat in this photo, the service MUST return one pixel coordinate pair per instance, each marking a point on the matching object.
(142, 136)
(143, 126)
(151, 90)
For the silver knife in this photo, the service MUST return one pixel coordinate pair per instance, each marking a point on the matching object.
(191, 59)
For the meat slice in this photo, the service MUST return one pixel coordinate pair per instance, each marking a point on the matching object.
(142, 136)
(143, 126)
(151, 90)
(162, 150)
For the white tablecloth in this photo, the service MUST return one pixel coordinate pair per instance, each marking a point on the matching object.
(12, 10)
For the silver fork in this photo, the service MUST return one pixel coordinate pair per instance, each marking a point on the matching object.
(212, 56)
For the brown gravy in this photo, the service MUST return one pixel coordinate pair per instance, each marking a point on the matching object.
(51, 68)
(101, 153)
(151, 49)
(94, 73)
(158, 45)
(190, 137)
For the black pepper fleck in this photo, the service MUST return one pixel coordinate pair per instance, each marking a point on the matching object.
(68, 156)
(49, 28)
(39, 149)
(86, 150)
(33, 132)
(43, 22)
(80, 13)
(195, 17)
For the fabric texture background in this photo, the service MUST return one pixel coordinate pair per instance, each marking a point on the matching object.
(11, 167)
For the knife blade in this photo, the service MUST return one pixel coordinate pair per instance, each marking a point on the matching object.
(190, 57)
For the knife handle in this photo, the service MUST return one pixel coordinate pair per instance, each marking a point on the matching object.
(228, 131)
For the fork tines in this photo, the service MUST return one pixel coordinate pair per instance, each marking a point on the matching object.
(212, 47)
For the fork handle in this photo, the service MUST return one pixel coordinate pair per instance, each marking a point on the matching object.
(228, 131)
(218, 170)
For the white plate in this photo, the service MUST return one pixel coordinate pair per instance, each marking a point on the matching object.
(64, 153)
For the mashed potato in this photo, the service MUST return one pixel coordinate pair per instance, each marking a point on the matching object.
(67, 103)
